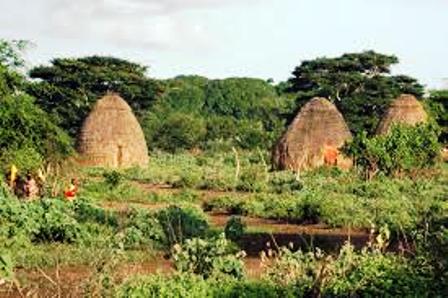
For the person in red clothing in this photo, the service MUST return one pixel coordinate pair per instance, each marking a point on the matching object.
(70, 192)
(330, 156)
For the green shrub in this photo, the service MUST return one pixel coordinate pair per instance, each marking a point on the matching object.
(208, 257)
(368, 273)
(194, 286)
(253, 179)
(234, 228)
(113, 178)
(142, 228)
(6, 267)
(88, 212)
(155, 286)
(284, 182)
(57, 222)
(181, 223)
(403, 149)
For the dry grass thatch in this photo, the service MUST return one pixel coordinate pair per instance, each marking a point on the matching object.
(313, 139)
(406, 109)
(111, 136)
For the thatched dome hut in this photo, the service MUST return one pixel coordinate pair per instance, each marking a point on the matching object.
(313, 139)
(406, 109)
(111, 136)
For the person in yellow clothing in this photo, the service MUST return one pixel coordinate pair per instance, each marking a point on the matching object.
(13, 176)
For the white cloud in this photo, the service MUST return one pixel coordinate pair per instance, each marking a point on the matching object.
(159, 24)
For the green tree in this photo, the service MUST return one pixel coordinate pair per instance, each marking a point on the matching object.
(360, 84)
(69, 87)
(438, 106)
(247, 112)
(253, 106)
(10, 63)
(174, 131)
(28, 135)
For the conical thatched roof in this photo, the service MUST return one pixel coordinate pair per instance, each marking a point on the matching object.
(111, 136)
(406, 109)
(313, 138)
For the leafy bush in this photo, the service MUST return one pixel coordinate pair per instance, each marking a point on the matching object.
(284, 182)
(367, 273)
(6, 268)
(88, 212)
(155, 286)
(142, 228)
(181, 223)
(404, 149)
(208, 257)
(57, 223)
(234, 228)
(113, 178)
(253, 179)
(44, 220)
(194, 286)
(102, 190)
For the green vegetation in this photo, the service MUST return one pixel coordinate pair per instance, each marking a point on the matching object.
(404, 149)
(359, 84)
(69, 87)
(438, 106)
(209, 169)
(34, 138)
(196, 112)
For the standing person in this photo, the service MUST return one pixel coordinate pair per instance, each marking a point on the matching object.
(70, 192)
(31, 190)
(13, 176)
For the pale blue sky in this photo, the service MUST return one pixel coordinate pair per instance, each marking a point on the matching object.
(216, 38)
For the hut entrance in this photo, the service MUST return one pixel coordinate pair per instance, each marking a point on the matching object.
(120, 155)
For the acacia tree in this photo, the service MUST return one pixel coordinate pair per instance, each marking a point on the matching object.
(68, 87)
(360, 84)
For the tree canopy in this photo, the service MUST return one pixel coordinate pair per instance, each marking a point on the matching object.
(243, 111)
(69, 87)
(438, 106)
(28, 135)
(10, 62)
(360, 84)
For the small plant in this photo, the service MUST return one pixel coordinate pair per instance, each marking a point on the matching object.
(179, 224)
(235, 228)
(142, 228)
(208, 257)
(284, 182)
(113, 179)
(6, 268)
(253, 179)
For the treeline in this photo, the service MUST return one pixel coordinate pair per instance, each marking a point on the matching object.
(42, 112)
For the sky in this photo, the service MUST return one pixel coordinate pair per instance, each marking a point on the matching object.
(233, 38)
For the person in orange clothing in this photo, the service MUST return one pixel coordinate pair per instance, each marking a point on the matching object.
(70, 192)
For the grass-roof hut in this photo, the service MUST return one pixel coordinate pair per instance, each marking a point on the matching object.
(313, 139)
(406, 109)
(111, 136)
